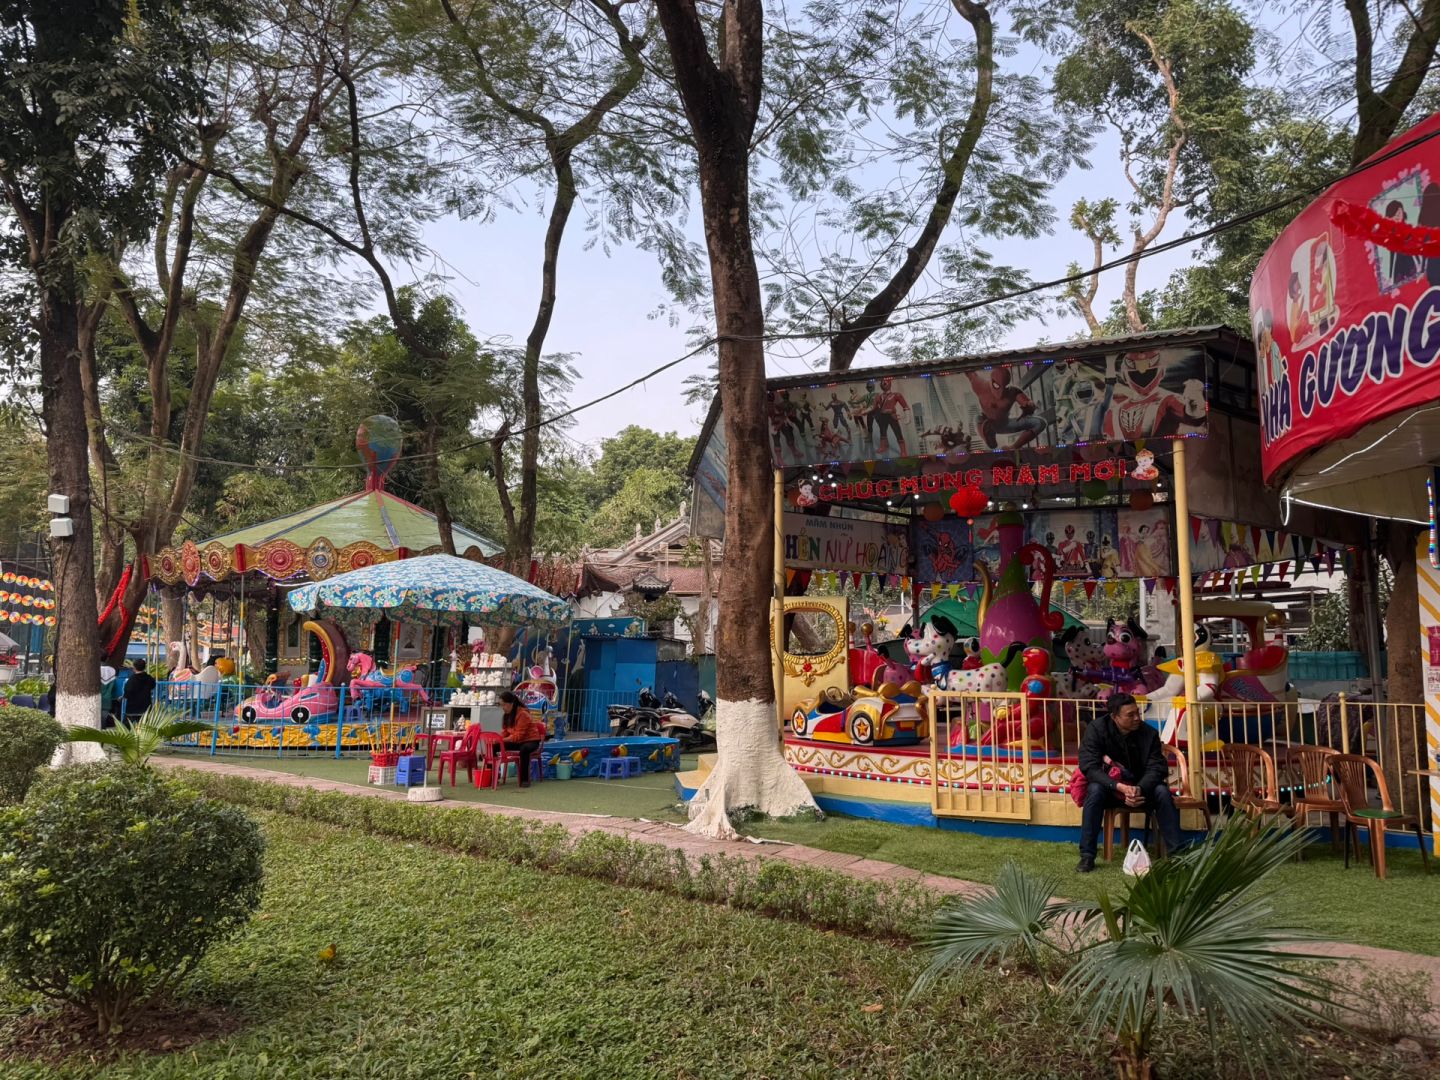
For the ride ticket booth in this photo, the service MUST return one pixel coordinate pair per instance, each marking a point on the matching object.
(1015, 483)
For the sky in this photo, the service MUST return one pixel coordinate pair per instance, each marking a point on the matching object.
(607, 304)
(607, 307)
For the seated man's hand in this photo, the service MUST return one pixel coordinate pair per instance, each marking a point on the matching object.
(1130, 793)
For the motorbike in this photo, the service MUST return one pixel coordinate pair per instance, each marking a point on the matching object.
(642, 718)
(677, 723)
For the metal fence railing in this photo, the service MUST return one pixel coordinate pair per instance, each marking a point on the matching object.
(276, 721)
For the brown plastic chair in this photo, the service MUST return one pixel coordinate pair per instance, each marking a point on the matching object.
(1350, 772)
(1316, 792)
(1253, 789)
(1180, 791)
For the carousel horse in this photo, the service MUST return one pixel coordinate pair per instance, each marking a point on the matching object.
(379, 687)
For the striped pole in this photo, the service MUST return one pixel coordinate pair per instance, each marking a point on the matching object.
(1429, 583)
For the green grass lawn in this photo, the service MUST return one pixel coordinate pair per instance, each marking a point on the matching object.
(650, 795)
(1319, 894)
(452, 967)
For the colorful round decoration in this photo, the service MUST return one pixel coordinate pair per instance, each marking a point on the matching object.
(27, 600)
(8, 577)
(47, 585)
(49, 620)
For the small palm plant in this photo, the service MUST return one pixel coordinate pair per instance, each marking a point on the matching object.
(136, 742)
(1194, 938)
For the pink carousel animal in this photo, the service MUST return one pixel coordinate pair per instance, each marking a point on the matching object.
(379, 687)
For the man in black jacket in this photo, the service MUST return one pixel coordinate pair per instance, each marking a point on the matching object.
(1123, 740)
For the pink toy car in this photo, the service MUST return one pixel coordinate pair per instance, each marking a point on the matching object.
(320, 702)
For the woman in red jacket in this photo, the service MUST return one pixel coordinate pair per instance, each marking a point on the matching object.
(521, 732)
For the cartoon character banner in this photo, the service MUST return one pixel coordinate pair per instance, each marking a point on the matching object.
(1140, 394)
(1106, 543)
(848, 545)
(1344, 304)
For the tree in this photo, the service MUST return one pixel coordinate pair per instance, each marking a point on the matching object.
(1169, 78)
(721, 95)
(536, 77)
(647, 496)
(1413, 35)
(273, 89)
(91, 111)
(635, 447)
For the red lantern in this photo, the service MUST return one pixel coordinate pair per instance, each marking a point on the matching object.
(969, 501)
(1141, 500)
(933, 512)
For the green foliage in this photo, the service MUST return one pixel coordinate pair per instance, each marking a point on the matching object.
(648, 495)
(116, 882)
(1194, 939)
(780, 889)
(136, 742)
(634, 448)
(28, 740)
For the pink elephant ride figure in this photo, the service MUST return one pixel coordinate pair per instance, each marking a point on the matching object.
(376, 688)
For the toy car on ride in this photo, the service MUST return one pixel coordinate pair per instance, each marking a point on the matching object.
(888, 716)
(317, 702)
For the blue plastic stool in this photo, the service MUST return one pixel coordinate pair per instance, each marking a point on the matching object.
(633, 766)
(612, 768)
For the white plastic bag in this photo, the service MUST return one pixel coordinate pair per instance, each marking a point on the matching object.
(1137, 860)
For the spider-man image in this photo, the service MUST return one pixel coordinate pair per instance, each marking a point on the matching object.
(999, 403)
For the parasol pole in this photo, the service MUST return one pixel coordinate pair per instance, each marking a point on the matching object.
(1193, 730)
(390, 741)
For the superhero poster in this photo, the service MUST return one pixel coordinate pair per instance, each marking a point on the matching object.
(1344, 305)
(942, 552)
(1106, 543)
(1140, 394)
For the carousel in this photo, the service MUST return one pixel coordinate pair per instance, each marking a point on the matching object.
(995, 493)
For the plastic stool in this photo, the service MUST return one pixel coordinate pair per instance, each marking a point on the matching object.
(614, 767)
(633, 766)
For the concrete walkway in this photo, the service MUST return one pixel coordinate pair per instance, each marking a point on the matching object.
(1379, 961)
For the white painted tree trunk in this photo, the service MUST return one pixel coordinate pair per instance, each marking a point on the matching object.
(751, 773)
(76, 710)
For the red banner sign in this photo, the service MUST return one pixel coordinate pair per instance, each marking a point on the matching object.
(996, 476)
(1345, 306)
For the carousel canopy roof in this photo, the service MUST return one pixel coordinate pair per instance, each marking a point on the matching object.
(372, 526)
(377, 516)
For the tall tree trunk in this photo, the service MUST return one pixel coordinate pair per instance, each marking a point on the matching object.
(77, 656)
(722, 103)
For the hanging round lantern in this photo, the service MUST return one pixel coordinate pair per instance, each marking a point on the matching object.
(1094, 490)
(1141, 500)
(932, 512)
(969, 501)
(49, 620)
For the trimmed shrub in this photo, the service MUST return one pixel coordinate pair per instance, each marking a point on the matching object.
(28, 740)
(900, 909)
(114, 881)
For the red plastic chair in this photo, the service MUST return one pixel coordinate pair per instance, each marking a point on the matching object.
(492, 757)
(503, 759)
(464, 754)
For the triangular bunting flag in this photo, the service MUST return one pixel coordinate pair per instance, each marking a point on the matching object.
(1214, 527)
(970, 589)
(953, 590)
(1089, 589)
(789, 578)
(1284, 569)
(1255, 536)
(1111, 586)
(934, 590)
(1149, 585)
(1195, 526)
(1225, 581)
(1330, 560)
(857, 579)
(1297, 549)
(1255, 574)
(1315, 561)
(1270, 536)
(1265, 572)
(1170, 585)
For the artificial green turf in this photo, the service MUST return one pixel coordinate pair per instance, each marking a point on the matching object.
(452, 967)
(1318, 894)
(649, 795)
